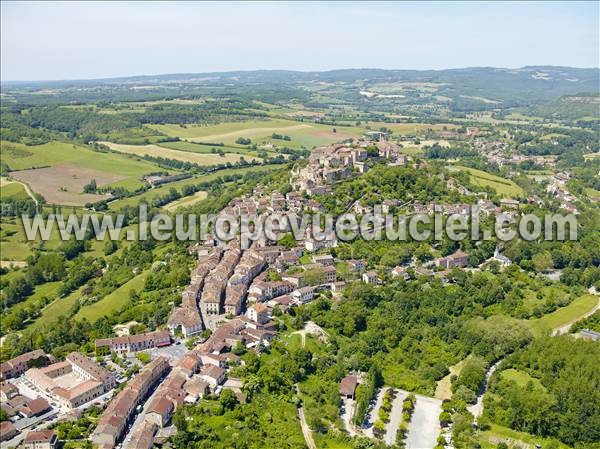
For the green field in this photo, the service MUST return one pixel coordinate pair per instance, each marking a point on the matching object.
(504, 187)
(302, 134)
(563, 316)
(111, 302)
(48, 290)
(132, 169)
(13, 242)
(185, 201)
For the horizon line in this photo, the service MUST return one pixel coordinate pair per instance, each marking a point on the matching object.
(118, 77)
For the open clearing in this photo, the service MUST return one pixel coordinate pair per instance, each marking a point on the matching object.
(444, 385)
(410, 128)
(169, 153)
(251, 132)
(186, 201)
(63, 183)
(503, 186)
(228, 131)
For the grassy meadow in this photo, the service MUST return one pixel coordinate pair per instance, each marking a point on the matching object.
(563, 316)
(111, 302)
(504, 187)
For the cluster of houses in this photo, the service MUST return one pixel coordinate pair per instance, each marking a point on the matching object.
(557, 187)
(186, 318)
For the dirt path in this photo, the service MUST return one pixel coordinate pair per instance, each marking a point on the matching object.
(304, 425)
(12, 263)
(565, 328)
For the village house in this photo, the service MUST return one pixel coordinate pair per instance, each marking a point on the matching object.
(40, 439)
(259, 313)
(402, 272)
(131, 344)
(370, 277)
(7, 391)
(589, 335)
(196, 387)
(338, 287)
(325, 259)
(283, 303)
(213, 375)
(18, 365)
(287, 259)
(160, 411)
(142, 437)
(35, 407)
(185, 320)
(330, 273)
(458, 259)
(7, 431)
(508, 203)
(304, 294)
(348, 387)
(422, 271)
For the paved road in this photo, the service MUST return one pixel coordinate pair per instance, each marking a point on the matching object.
(477, 408)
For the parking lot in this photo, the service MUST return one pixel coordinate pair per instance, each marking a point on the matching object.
(173, 352)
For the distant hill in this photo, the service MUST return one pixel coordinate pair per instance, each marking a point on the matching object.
(475, 88)
(572, 107)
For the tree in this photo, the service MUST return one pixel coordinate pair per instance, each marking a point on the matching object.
(542, 261)
(228, 400)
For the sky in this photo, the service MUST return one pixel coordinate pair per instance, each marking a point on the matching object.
(71, 40)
